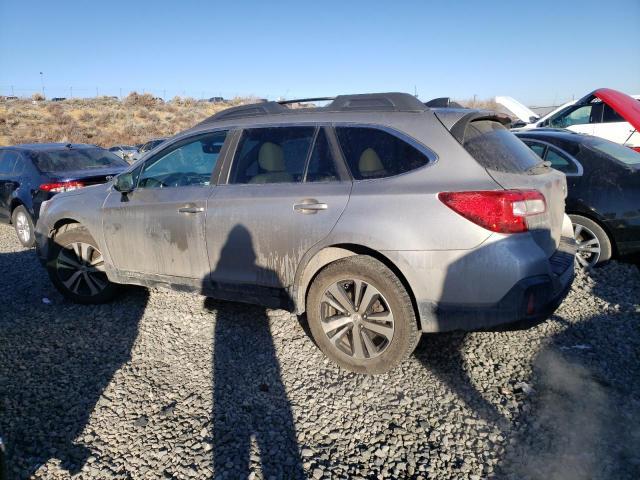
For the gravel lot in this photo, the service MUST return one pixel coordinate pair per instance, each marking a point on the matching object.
(162, 384)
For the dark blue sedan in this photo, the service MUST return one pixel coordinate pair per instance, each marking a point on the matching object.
(31, 174)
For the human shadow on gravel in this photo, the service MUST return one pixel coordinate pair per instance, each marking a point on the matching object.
(55, 362)
(442, 354)
(252, 418)
(584, 421)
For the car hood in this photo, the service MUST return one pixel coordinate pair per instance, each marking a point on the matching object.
(518, 109)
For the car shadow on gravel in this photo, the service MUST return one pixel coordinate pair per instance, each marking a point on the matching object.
(253, 424)
(56, 359)
(585, 416)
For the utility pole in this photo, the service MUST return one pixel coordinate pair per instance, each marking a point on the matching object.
(71, 92)
(120, 93)
(474, 99)
(42, 82)
(12, 91)
(96, 92)
(164, 94)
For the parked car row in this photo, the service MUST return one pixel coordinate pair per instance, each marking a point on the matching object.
(132, 153)
(603, 113)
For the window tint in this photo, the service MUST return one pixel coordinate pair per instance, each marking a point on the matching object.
(574, 116)
(374, 153)
(7, 162)
(188, 164)
(618, 152)
(496, 148)
(272, 155)
(610, 115)
(538, 148)
(561, 162)
(70, 159)
(322, 167)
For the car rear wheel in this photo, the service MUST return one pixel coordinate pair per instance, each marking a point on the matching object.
(76, 268)
(361, 316)
(594, 246)
(23, 223)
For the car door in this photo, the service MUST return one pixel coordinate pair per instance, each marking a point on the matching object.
(7, 183)
(159, 228)
(284, 191)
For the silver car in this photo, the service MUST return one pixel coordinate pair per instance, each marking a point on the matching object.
(379, 217)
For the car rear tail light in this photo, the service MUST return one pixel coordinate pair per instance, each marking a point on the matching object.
(502, 211)
(58, 187)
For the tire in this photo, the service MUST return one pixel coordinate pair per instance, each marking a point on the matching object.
(24, 226)
(396, 330)
(594, 246)
(76, 254)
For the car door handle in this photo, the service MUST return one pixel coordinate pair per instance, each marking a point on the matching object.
(191, 209)
(310, 205)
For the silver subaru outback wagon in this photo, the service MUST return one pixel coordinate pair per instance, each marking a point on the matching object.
(379, 217)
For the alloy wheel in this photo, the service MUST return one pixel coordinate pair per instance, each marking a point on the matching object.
(356, 318)
(588, 246)
(80, 268)
(22, 227)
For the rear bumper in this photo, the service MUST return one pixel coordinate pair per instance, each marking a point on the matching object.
(529, 302)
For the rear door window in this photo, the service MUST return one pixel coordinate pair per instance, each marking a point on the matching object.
(7, 162)
(373, 153)
(272, 155)
(322, 165)
(561, 162)
(496, 148)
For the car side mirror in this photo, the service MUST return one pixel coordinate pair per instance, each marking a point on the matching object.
(124, 183)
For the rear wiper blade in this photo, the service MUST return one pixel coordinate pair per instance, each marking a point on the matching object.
(537, 166)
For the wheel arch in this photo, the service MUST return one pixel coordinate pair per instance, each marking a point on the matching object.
(15, 203)
(330, 254)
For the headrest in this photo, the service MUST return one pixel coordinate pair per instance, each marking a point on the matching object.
(271, 158)
(370, 162)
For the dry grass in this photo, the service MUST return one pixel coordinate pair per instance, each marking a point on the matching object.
(102, 121)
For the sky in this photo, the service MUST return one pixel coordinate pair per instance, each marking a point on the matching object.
(539, 51)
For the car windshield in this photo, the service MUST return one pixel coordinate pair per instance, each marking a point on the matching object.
(76, 159)
(618, 152)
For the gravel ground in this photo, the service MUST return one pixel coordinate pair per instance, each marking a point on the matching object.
(161, 384)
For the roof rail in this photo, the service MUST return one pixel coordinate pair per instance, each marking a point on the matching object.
(372, 102)
(303, 100)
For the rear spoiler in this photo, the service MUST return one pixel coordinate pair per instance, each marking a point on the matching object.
(456, 120)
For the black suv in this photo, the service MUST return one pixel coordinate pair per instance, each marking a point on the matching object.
(31, 174)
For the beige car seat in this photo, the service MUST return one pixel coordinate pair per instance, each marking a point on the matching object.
(370, 164)
(271, 160)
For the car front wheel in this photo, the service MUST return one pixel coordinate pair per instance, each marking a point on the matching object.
(76, 268)
(361, 316)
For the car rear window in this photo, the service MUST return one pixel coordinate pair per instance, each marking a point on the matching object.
(496, 148)
(616, 151)
(374, 153)
(71, 159)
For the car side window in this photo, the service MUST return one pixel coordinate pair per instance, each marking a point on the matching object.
(185, 164)
(575, 116)
(609, 115)
(7, 162)
(560, 161)
(374, 153)
(272, 155)
(538, 148)
(322, 165)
